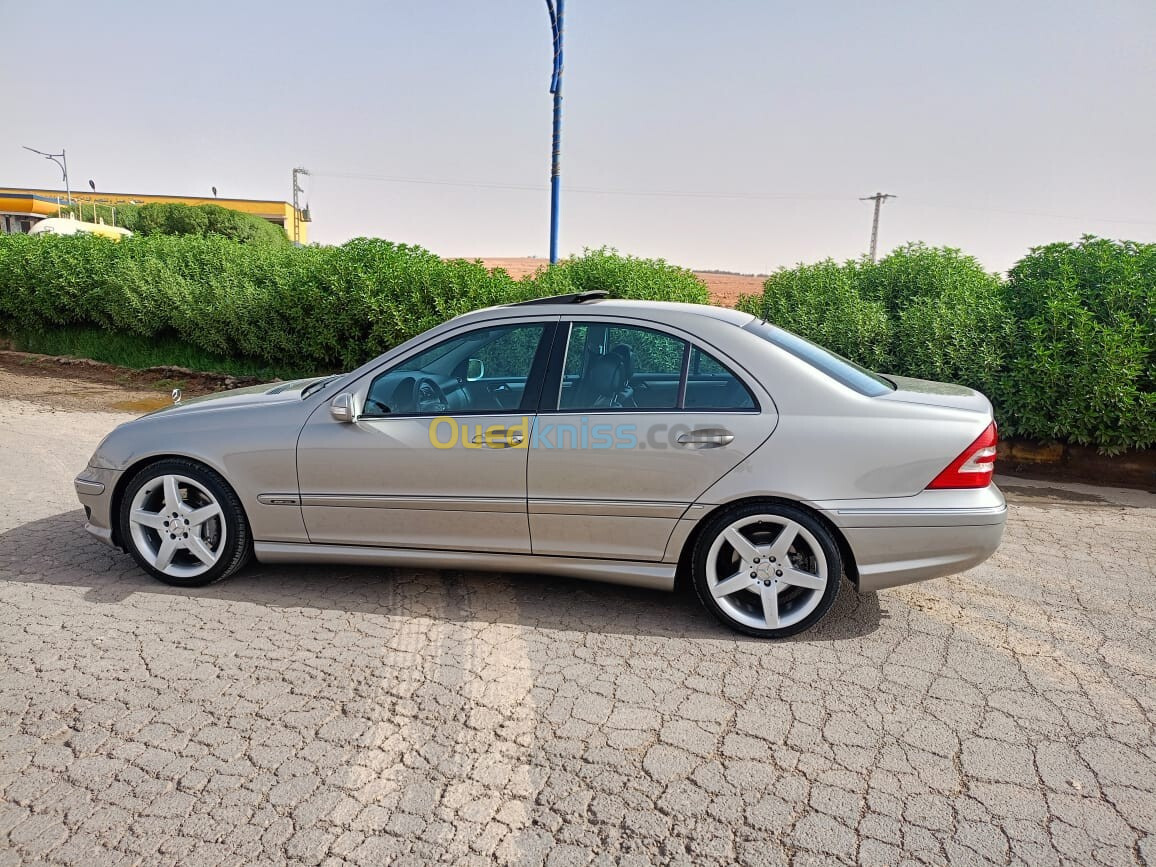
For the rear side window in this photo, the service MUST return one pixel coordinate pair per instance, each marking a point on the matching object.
(609, 366)
(837, 367)
(620, 367)
(710, 384)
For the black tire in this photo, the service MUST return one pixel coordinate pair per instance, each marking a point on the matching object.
(718, 523)
(238, 544)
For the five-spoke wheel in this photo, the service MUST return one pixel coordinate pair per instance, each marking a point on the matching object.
(183, 523)
(769, 570)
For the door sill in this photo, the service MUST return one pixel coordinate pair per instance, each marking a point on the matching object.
(633, 573)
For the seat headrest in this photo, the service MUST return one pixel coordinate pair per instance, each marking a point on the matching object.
(626, 353)
(605, 374)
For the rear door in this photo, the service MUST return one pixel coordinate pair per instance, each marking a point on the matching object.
(635, 423)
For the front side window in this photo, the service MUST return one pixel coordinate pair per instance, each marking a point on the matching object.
(487, 370)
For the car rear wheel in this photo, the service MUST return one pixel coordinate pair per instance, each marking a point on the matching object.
(183, 523)
(766, 569)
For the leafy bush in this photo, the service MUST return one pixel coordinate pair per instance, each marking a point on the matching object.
(124, 215)
(1065, 348)
(921, 311)
(915, 271)
(959, 336)
(621, 276)
(1084, 363)
(319, 307)
(161, 218)
(822, 302)
(950, 320)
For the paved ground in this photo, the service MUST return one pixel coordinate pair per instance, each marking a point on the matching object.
(316, 715)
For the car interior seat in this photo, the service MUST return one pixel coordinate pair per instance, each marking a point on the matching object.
(602, 383)
(626, 393)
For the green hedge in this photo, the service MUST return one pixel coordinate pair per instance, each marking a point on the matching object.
(622, 276)
(1084, 366)
(823, 303)
(173, 218)
(311, 307)
(1065, 347)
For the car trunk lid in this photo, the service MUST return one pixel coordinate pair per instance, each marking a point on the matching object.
(930, 393)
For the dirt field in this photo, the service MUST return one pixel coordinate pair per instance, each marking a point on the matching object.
(78, 384)
(725, 289)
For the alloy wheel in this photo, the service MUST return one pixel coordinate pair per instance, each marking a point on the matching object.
(766, 571)
(177, 526)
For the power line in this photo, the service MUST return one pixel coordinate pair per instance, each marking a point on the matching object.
(1018, 213)
(682, 194)
(703, 194)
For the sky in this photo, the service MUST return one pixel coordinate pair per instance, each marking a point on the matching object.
(730, 135)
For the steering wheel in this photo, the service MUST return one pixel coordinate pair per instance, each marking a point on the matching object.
(429, 397)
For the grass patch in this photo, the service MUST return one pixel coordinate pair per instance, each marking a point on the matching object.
(138, 353)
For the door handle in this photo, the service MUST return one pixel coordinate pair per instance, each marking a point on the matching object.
(706, 438)
(498, 438)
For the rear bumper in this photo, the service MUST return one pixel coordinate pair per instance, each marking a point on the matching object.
(891, 556)
(936, 533)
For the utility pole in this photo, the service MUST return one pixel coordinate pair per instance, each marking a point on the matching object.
(61, 160)
(879, 199)
(297, 172)
(554, 7)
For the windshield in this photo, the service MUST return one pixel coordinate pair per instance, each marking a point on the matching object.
(834, 365)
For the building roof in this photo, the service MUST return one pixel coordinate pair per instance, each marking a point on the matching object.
(267, 208)
(41, 203)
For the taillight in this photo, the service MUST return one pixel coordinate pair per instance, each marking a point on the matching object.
(974, 467)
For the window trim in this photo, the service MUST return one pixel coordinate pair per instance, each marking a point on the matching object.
(556, 368)
(684, 375)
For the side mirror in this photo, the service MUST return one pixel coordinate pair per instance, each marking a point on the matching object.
(344, 408)
(475, 369)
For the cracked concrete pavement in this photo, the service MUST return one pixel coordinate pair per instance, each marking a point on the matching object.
(371, 716)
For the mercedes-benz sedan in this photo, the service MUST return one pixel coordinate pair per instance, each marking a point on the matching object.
(621, 441)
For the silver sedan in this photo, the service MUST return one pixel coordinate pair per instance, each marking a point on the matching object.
(624, 441)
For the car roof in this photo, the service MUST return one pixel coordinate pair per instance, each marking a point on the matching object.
(659, 311)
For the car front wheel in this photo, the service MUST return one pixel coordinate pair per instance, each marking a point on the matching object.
(766, 569)
(183, 523)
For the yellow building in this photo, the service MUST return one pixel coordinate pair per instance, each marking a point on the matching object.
(21, 209)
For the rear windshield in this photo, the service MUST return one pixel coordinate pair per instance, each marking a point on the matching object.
(834, 365)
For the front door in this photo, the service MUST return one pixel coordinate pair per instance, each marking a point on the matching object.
(437, 458)
(635, 424)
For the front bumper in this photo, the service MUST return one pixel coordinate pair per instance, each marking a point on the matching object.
(936, 533)
(94, 488)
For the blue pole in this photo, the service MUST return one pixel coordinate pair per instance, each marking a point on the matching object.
(555, 9)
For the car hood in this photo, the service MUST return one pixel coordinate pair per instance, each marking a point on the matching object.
(254, 395)
(930, 393)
